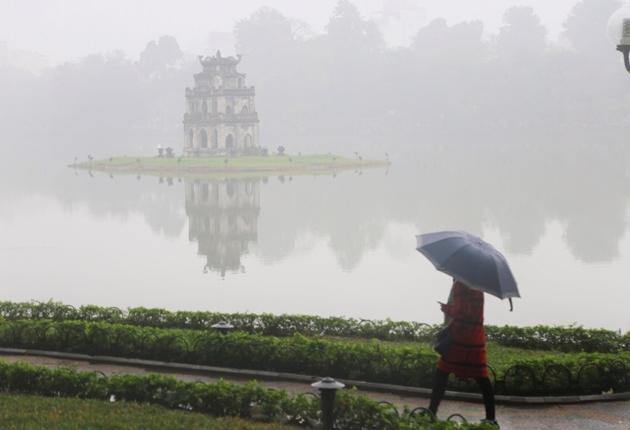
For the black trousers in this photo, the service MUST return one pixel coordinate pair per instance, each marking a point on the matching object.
(439, 387)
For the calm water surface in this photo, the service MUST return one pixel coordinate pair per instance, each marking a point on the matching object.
(329, 244)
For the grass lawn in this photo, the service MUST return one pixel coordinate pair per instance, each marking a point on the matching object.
(34, 412)
(271, 163)
(499, 357)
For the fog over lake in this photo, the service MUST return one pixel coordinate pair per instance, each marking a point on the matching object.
(520, 140)
(331, 245)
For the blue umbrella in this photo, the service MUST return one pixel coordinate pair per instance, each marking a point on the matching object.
(470, 260)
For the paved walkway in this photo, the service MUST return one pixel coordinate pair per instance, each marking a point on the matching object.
(595, 416)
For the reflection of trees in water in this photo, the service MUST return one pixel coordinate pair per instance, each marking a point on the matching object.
(517, 186)
(594, 243)
(160, 204)
(163, 213)
(223, 220)
(344, 209)
(523, 187)
(595, 203)
(521, 224)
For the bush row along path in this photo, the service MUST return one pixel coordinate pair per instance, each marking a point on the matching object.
(591, 416)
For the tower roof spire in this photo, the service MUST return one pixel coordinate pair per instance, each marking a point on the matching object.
(219, 60)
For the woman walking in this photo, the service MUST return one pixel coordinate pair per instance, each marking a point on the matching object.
(463, 347)
(465, 352)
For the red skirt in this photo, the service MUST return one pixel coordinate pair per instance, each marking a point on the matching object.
(466, 356)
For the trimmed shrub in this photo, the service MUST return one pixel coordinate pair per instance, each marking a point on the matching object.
(567, 339)
(373, 361)
(218, 399)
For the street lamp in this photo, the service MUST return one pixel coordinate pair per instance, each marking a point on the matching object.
(328, 390)
(223, 327)
(619, 32)
(624, 44)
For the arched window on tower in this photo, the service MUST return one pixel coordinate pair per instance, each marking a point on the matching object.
(229, 141)
(245, 110)
(191, 137)
(215, 139)
(203, 138)
(204, 107)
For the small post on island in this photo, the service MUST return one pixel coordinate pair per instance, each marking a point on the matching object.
(328, 390)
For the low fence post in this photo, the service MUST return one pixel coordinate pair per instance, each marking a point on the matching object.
(328, 390)
(222, 327)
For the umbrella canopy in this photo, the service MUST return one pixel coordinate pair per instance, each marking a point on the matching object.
(470, 260)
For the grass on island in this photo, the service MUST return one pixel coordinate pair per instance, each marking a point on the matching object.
(35, 412)
(271, 163)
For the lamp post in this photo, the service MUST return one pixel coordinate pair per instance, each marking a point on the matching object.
(624, 43)
(223, 327)
(619, 32)
(328, 390)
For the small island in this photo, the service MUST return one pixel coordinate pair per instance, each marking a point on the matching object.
(186, 165)
(221, 135)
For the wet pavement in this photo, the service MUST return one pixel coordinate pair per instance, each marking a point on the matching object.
(614, 415)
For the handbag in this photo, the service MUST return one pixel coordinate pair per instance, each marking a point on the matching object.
(442, 341)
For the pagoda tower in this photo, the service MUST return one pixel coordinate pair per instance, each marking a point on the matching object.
(220, 113)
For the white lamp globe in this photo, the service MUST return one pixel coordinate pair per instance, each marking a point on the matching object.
(617, 22)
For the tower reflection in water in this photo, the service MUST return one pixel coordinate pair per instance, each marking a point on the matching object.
(223, 220)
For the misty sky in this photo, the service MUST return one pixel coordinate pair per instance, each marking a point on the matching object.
(69, 29)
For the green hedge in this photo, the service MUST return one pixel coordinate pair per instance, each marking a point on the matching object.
(218, 399)
(266, 324)
(406, 364)
(568, 339)
(296, 354)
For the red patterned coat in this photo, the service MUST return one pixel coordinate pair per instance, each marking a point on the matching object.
(466, 357)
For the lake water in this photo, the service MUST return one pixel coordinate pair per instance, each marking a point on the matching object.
(329, 244)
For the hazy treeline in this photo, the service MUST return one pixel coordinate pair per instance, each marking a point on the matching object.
(342, 87)
(344, 84)
(102, 104)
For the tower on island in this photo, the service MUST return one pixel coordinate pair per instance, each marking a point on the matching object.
(220, 113)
